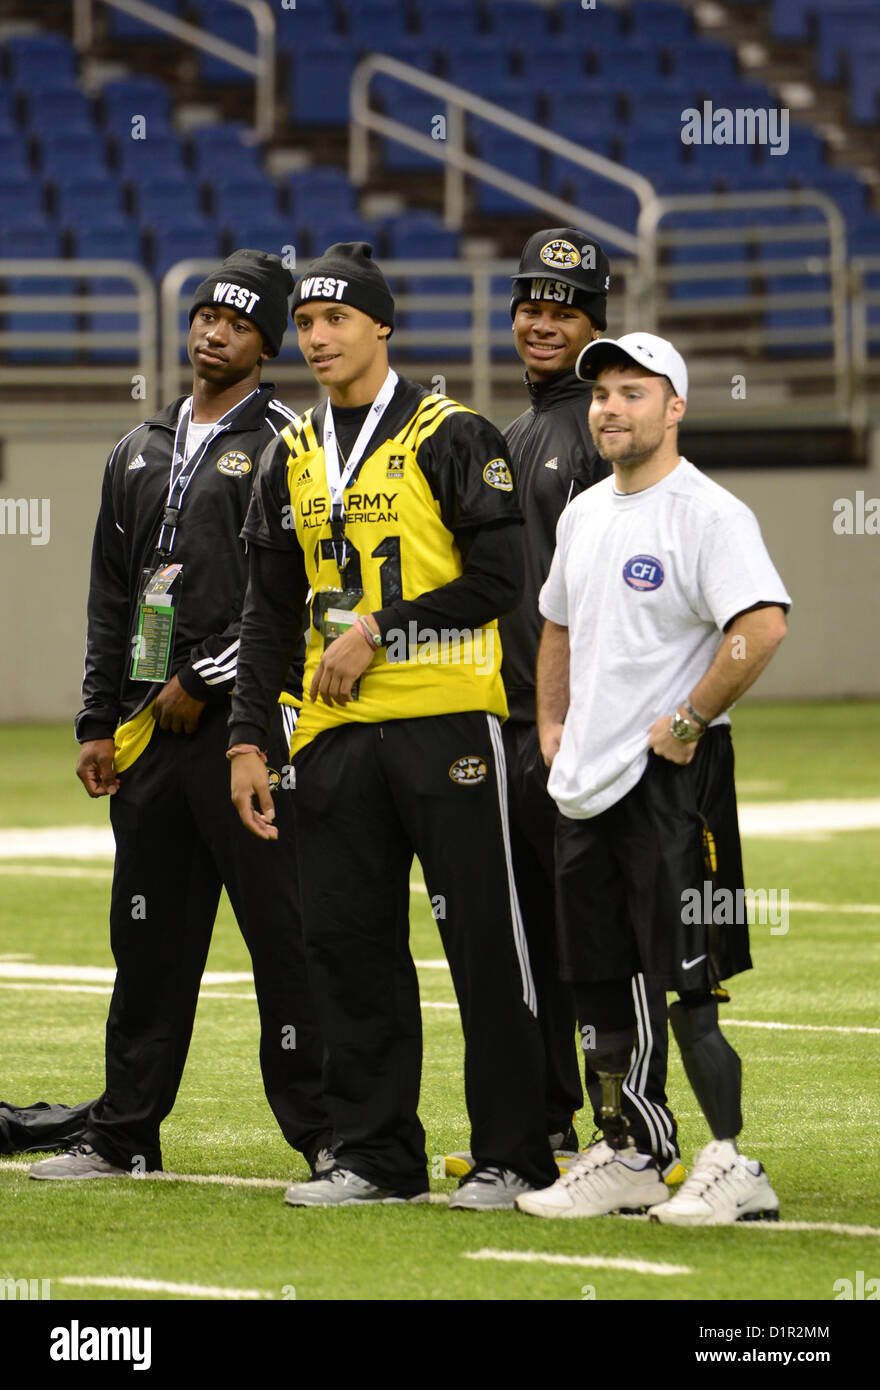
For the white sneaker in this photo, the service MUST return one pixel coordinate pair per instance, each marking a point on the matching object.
(724, 1187)
(600, 1181)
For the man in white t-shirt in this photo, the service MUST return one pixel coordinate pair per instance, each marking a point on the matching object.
(652, 566)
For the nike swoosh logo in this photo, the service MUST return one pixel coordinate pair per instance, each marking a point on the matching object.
(687, 964)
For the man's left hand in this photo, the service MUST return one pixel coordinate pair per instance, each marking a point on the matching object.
(664, 743)
(343, 661)
(175, 710)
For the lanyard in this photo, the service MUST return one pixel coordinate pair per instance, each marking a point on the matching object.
(183, 469)
(336, 481)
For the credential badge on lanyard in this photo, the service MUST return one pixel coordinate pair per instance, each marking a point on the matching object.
(153, 639)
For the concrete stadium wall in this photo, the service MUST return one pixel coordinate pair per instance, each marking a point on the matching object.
(832, 650)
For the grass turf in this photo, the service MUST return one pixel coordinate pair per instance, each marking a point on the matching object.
(803, 1089)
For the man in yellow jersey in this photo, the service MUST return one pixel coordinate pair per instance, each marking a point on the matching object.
(395, 508)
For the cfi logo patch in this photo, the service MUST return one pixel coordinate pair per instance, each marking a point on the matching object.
(234, 464)
(497, 474)
(469, 771)
(274, 779)
(395, 466)
(560, 253)
(643, 572)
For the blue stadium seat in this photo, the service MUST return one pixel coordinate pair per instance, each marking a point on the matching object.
(126, 98)
(555, 70)
(864, 85)
(216, 147)
(62, 152)
(321, 186)
(659, 20)
(320, 78)
(630, 64)
(30, 238)
(162, 200)
(790, 19)
(324, 231)
(705, 65)
(589, 27)
(654, 108)
(270, 234)
(7, 104)
(312, 22)
(88, 202)
(651, 154)
(482, 68)
(372, 23)
(244, 196)
(580, 117)
(440, 18)
(40, 60)
(518, 23)
(864, 238)
(420, 235)
(61, 108)
(22, 196)
(121, 242)
(613, 203)
(157, 156)
(182, 241)
(13, 154)
(841, 32)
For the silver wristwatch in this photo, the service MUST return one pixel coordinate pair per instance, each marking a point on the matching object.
(684, 730)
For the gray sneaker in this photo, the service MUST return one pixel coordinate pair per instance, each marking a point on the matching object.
(489, 1189)
(342, 1188)
(82, 1161)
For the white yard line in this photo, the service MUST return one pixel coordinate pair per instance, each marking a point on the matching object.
(92, 1281)
(795, 1027)
(581, 1261)
(837, 1228)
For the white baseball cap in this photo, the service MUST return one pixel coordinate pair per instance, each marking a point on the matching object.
(656, 354)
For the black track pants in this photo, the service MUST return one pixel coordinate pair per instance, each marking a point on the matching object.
(178, 841)
(369, 797)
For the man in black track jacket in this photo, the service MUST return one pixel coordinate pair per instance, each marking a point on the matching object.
(558, 306)
(167, 585)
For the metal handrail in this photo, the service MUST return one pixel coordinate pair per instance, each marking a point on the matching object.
(260, 65)
(651, 274)
(863, 298)
(143, 303)
(451, 151)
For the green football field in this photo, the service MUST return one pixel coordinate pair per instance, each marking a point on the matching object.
(805, 1022)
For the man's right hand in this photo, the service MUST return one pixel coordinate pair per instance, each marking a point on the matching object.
(96, 769)
(551, 737)
(250, 779)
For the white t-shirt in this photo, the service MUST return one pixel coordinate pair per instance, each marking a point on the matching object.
(645, 582)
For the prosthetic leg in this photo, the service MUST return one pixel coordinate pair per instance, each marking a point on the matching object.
(713, 1068)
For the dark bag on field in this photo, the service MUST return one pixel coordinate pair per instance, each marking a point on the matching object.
(34, 1128)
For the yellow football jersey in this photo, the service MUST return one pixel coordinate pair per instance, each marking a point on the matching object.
(432, 465)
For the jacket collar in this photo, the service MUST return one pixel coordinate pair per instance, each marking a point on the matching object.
(544, 395)
(252, 416)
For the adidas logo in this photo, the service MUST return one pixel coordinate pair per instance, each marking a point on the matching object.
(305, 477)
(139, 462)
(552, 463)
